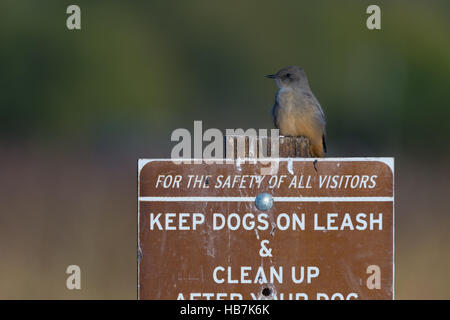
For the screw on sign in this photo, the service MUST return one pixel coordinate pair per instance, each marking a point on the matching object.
(314, 230)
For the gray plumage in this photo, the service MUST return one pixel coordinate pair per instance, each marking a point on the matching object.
(296, 111)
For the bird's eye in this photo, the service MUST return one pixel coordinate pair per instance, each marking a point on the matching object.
(288, 75)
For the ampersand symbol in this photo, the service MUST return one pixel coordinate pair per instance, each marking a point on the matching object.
(264, 251)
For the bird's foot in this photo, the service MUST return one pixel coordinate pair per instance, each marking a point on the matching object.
(314, 164)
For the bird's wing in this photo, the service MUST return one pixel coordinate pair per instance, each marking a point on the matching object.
(313, 100)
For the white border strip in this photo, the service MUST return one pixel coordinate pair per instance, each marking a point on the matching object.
(276, 199)
(387, 160)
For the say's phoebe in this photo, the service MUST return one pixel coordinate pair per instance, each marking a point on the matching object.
(296, 111)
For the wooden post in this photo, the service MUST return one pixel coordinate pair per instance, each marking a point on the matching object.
(289, 147)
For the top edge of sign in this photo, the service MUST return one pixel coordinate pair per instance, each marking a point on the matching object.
(389, 161)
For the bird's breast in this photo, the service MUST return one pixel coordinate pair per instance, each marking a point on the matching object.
(286, 98)
(295, 116)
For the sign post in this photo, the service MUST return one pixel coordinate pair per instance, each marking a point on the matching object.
(317, 229)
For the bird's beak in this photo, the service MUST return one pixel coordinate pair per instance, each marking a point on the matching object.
(271, 76)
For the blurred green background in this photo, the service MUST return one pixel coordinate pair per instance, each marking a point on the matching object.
(78, 108)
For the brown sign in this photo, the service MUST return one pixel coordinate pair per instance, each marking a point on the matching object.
(208, 231)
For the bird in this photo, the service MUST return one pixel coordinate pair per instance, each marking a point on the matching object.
(296, 111)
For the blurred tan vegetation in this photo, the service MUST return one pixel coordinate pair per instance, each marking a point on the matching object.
(78, 108)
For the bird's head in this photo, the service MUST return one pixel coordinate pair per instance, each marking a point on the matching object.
(289, 77)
